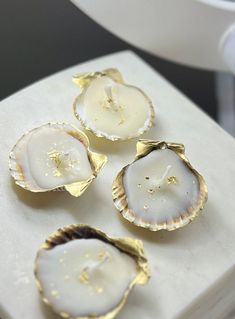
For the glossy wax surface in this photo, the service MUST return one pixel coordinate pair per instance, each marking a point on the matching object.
(85, 276)
(50, 157)
(114, 110)
(160, 187)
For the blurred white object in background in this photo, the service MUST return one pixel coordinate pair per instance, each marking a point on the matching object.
(225, 94)
(199, 33)
(228, 48)
(185, 31)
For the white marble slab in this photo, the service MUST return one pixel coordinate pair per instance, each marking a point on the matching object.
(193, 269)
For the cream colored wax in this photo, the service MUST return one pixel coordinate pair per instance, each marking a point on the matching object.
(113, 110)
(160, 187)
(84, 277)
(50, 157)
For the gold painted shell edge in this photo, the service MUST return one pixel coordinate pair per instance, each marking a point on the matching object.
(84, 79)
(144, 147)
(76, 189)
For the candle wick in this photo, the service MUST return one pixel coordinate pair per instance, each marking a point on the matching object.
(113, 103)
(88, 270)
(157, 183)
(169, 167)
(96, 265)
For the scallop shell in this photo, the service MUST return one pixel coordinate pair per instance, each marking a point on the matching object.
(132, 247)
(144, 147)
(84, 79)
(76, 189)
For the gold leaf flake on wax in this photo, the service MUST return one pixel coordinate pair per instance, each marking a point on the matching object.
(102, 254)
(62, 161)
(56, 157)
(172, 180)
(84, 277)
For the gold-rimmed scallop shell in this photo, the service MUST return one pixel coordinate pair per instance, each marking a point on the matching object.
(97, 161)
(130, 246)
(84, 79)
(144, 147)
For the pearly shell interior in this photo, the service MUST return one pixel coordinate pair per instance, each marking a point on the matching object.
(78, 277)
(50, 157)
(113, 110)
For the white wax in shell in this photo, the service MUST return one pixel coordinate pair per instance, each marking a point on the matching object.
(85, 276)
(50, 157)
(114, 110)
(160, 186)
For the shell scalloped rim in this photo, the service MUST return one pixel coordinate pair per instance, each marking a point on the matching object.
(145, 147)
(132, 247)
(75, 188)
(85, 80)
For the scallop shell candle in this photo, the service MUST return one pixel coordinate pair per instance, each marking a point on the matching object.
(110, 108)
(160, 189)
(83, 273)
(52, 157)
